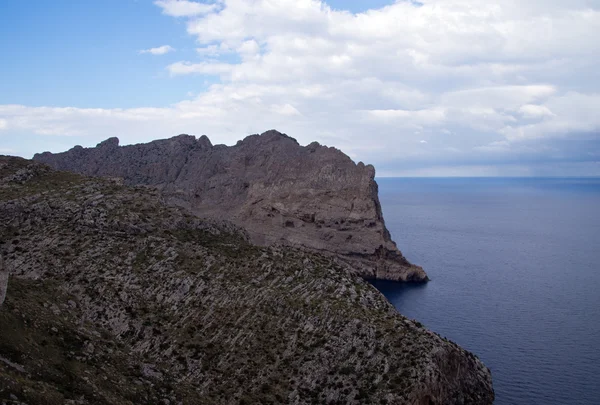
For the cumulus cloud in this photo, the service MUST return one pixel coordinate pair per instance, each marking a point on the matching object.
(161, 50)
(475, 80)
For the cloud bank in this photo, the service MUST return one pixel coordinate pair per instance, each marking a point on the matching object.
(434, 87)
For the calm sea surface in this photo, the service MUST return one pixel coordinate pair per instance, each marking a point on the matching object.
(515, 269)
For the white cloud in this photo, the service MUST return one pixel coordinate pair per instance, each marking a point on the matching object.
(504, 97)
(415, 117)
(184, 8)
(569, 115)
(184, 68)
(214, 50)
(285, 109)
(161, 50)
(3, 124)
(248, 49)
(535, 111)
(471, 78)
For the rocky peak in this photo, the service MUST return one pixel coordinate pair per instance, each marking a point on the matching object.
(204, 142)
(274, 135)
(314, 196)
(110, 143)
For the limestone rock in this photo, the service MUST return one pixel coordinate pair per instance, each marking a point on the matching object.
(314, 197)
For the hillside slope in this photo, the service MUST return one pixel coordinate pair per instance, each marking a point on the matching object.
(117, 298)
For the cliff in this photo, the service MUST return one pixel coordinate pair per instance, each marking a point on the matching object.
(117, 298)
(314, 197)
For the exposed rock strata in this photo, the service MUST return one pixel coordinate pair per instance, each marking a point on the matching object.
(313, 197)
(117, 298)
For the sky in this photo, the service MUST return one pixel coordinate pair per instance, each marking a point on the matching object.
(416, 88)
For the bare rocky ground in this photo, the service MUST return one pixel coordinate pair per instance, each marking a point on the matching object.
(115, 297)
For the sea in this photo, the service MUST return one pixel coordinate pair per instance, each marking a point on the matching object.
(515, 277)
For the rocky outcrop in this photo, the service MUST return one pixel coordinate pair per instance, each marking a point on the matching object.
(118, 298)
(314, 197)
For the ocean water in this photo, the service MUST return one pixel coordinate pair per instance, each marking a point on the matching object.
(515, 269)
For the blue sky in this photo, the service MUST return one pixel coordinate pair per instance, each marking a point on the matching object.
(437, 88)
(85, 53)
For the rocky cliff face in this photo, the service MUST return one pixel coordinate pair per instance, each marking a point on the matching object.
(117, 298)
(313, 197)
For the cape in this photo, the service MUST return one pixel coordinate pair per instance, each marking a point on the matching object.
(314, 197)
(116, 297)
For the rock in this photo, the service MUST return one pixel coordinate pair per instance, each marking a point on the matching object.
(89, 348)
(149, 371)
(110, 143)
(3, 280)
(314, 197)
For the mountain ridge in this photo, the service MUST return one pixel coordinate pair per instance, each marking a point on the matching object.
(310, 196)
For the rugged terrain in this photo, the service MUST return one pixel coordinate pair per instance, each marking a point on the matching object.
(311, 196)
(115, 297)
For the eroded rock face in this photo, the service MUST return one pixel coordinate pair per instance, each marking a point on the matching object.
(313, 196)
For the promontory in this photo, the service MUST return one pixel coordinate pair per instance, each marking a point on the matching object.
(312, 197)
(114, 295)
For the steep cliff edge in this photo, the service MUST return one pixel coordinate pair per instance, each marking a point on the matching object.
(313, 197)
(117, 298)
